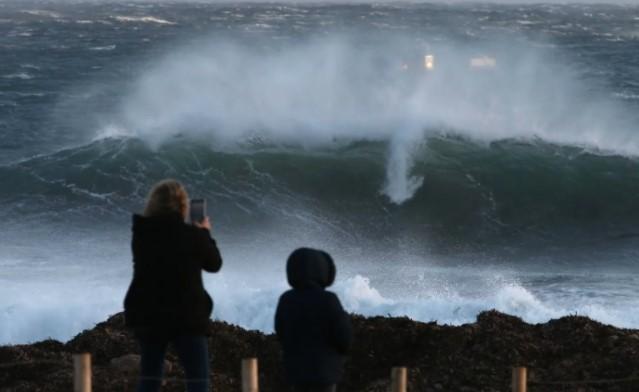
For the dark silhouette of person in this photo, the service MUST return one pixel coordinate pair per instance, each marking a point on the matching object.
(166, 301)
(311, 325)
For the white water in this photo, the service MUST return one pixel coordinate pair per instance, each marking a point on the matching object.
(56, 294)
(335, 89)
(400, 184)
(143, 19)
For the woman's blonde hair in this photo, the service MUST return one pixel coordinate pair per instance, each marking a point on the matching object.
(167, 197)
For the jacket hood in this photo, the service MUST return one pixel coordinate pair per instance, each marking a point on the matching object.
(310, 268)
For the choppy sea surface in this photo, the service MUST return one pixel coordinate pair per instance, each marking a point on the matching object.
(452, 158)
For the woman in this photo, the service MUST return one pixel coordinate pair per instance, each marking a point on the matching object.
(166, 301)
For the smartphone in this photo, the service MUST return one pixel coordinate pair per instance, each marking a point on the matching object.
(197, 210)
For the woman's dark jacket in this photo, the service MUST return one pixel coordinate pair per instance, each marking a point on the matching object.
(312, 327)
(167, 296)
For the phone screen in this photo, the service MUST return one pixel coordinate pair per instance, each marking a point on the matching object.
(198, 210)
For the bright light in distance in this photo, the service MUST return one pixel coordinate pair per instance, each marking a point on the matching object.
(429, 61)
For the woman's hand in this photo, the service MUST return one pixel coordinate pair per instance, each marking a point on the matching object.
(204, 224)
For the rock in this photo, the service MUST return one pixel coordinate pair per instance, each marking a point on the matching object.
(472, 357)
(129, 363)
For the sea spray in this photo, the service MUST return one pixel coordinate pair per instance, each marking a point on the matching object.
(400, 184)
(324, 92)
(57, 310)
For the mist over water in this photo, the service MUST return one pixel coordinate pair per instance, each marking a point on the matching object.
(504, 176)
(333, 90)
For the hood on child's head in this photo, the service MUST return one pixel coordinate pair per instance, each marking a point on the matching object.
(308, 267)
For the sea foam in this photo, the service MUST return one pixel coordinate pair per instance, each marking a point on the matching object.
(59, 309)
(143, 19)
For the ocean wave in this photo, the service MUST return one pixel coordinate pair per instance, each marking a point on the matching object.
(52, 311)
(463, 190)
(112, 132)
(42, 309)
(627, 96)
(32, 94)
(259, 26)
(527, 22)
(46, 13)
(326, 141)
(381, 92)
(103, 48)
(143, 19)
(19, 75)
(441, 303)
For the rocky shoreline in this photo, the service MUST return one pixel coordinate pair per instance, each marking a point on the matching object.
(470, 357)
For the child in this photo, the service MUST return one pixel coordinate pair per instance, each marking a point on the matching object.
(312, 327)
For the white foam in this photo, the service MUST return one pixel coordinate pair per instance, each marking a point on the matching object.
(358, 294)
(400, 184)
(143, 19)
(103, 48)
(112, 131)
(628, 96)
(72, 299)
(47, 13)
(18, 75)
(253, 308)
(31, 94)
(76, 278)
(58, 309)
(451, 307)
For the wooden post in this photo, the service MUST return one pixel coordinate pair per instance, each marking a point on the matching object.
(520, 381)
(82, 373)
(399, 379)
(249, 375)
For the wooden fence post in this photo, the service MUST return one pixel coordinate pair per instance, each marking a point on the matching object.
(399, 379)
(249, 375)
(520, 381)
(82, 372)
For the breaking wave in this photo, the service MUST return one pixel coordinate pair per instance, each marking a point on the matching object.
(481, 190)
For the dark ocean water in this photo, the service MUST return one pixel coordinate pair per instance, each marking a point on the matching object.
(452, 156)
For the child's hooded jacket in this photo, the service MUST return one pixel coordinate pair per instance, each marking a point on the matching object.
(312, 327)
